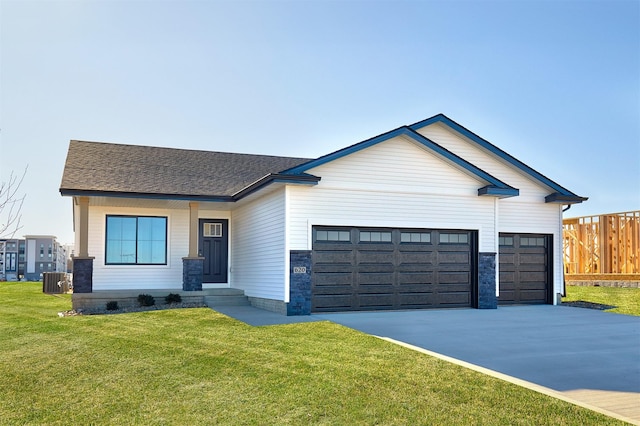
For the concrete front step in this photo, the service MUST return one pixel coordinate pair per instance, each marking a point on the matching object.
(226, 297)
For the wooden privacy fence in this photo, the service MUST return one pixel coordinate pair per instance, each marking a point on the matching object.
(604, 244)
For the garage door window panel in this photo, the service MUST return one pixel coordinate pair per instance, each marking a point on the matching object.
(375, 236)
(333, 235)
(415, 237)
(447, 238)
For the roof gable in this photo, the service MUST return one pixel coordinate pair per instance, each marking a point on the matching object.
(561, 194)
(493, 185)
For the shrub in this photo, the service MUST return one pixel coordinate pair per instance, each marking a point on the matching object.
(112, 305)
(146, 300)
(173, 298)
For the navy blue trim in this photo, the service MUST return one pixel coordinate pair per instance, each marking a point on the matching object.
(426, 142)
(441, 118)
(302, 168)
(564, 199)
(499, 192)
(95, 193)
(305, 179)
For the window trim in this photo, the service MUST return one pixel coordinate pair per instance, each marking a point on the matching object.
(136, 263)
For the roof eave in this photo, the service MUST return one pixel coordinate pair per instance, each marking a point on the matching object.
(301, 179)
(557, 197)
(65, 192)
(499, 192)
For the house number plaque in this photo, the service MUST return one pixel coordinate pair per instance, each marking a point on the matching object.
(299, 269)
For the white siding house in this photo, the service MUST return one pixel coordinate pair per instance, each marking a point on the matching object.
(426, 215)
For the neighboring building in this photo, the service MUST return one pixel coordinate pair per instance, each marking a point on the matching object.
(424, 216)
(43, 254)
(30, 257)
(13, 255)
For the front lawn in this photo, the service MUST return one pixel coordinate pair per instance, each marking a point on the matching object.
(625, 300)
(197, 366)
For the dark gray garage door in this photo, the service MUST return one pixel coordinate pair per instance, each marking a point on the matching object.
(525, 269)
(382, 268)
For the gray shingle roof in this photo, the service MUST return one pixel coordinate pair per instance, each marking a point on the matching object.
(106, 167)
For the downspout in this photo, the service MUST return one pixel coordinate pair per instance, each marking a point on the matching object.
(564, 282)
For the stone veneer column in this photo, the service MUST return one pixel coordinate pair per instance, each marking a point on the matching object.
(192, 270)
(83, 274)
(487, 281)
(299, 283)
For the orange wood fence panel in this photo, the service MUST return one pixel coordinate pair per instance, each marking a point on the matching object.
(604, 244)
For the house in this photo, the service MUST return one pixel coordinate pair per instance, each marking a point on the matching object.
(423, 216)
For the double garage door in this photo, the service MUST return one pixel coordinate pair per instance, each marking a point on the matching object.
(387, 268)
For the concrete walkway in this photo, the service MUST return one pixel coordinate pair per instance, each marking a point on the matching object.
(584, 356)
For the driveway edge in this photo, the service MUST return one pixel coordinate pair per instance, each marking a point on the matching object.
(540, 389)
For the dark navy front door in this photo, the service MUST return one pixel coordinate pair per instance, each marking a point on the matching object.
(214, 247)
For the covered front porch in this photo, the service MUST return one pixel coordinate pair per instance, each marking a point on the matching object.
(193, 264)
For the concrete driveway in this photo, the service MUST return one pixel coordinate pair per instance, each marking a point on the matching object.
(587, 355)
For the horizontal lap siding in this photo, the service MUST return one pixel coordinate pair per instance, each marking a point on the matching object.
(397, 165)
(258, 247)
(392, 184)
(122, 277)
(488, 162)
(527, 213)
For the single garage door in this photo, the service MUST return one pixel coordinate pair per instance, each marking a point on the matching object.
(382, 268)
(525, 271)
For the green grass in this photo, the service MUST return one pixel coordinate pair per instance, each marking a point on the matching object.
(625, 300)
(197, 366)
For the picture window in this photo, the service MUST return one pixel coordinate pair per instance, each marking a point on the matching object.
(136, 240)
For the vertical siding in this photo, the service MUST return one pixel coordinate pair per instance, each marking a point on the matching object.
(121, 277)
(258, 238)
(392, 184)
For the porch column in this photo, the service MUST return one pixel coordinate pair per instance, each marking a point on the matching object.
(83, 250)
(193, 229)
(83, 264)
(193, 264)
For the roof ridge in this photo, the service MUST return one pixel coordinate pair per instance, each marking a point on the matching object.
(117, 144)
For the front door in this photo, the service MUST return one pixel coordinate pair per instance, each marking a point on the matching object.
(213, 245)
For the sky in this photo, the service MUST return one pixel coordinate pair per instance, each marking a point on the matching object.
(554, 83)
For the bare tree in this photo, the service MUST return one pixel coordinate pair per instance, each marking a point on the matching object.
(11, 204)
